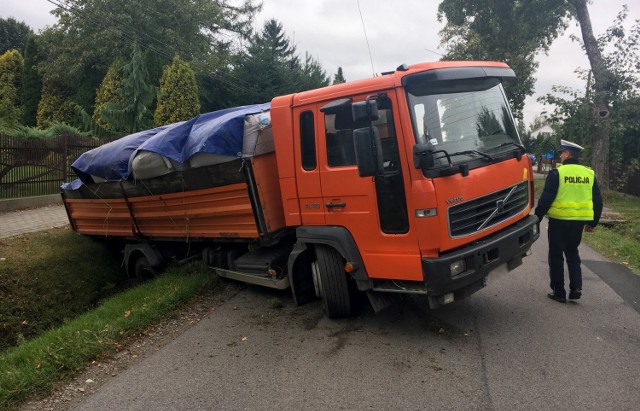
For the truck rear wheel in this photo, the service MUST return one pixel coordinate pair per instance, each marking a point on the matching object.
(332, 283)
(142, 269)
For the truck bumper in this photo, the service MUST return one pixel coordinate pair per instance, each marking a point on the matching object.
(503, 249)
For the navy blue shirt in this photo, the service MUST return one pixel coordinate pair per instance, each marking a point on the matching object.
(551, 185)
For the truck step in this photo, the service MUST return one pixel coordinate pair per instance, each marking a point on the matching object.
(277, 283)
(263, 261)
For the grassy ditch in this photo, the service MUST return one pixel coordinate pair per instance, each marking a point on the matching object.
(50, 277)
(37, 364)
(619, 242)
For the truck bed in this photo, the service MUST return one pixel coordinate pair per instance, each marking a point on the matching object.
(234, 200)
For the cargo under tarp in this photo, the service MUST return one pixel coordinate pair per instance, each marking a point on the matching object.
(212, 177)
(219, 133)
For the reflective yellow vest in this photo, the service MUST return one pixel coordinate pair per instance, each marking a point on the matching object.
(574, 200)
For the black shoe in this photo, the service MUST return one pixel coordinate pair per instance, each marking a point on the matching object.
(575, 294)
(557, 298)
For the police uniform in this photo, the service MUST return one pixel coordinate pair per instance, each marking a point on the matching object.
(571, 199)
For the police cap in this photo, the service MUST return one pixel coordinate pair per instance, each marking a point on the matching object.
(568, 145)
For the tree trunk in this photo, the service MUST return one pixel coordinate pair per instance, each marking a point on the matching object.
(600, 105)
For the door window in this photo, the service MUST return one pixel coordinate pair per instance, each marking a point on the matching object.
(307, 141)
(392, 203)
(339, 133)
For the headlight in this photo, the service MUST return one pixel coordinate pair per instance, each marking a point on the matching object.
(458, 267)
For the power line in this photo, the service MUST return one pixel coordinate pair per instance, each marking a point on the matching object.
(434, 52)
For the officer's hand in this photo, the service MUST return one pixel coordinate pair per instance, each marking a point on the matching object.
(589, 229)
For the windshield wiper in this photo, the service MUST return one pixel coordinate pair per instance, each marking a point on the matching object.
(448, 156)
(480, 153)
(517, 154)
(511, 143)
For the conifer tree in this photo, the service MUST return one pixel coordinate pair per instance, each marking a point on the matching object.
(271, 67)
(11, 64)
(54, 106)
(339, 77)
(178, 96)
(108, 93)
(31, 83)
(133, 112)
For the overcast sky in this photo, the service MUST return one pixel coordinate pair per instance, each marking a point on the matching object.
(400, 31)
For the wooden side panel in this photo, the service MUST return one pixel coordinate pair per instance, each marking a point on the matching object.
(108, 217)
(216, 212)
(267, 180)
(209, 213)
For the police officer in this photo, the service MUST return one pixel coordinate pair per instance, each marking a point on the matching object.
(571, 200)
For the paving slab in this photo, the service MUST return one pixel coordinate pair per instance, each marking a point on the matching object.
(18, 222)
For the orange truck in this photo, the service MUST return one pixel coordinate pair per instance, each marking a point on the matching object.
(412, 182)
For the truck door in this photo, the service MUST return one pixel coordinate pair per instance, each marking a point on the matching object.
(374, 210)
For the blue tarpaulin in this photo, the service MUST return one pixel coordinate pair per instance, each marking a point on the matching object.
(218, 132)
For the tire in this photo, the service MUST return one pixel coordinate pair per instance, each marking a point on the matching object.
(142, 269)
(333, 285)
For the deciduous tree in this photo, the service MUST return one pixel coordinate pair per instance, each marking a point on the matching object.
(13, 35)
(575, 109)
(503, 30)
(600, 110)
(514, 31)
(93, 33)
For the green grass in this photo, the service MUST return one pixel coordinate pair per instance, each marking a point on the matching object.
(619, 242)
(63, 304)
(50, 277)
(36, 366)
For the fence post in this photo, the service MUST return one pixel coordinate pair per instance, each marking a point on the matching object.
(65, 160)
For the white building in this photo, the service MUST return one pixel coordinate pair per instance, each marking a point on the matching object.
(542, 132)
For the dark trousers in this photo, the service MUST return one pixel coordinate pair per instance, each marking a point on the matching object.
(564, 239)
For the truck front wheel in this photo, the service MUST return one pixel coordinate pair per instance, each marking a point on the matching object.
(332, 282)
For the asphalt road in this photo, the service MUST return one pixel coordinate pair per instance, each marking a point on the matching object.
(507, 347)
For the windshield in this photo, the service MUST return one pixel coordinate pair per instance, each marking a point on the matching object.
(470, 116)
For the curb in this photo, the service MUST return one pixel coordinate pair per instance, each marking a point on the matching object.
(29, 202)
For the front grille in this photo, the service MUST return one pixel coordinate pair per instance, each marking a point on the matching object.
(480, 213)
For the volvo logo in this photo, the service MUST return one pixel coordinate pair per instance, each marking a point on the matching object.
(499, 209)
(454, 200)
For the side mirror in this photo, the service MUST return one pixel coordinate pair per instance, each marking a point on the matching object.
(368, 148)
(364, 111)
(423, 156)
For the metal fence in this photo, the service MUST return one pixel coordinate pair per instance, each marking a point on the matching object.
(626, 179)
(38, 166)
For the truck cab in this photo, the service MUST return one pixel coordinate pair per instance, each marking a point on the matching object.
(412, 182)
